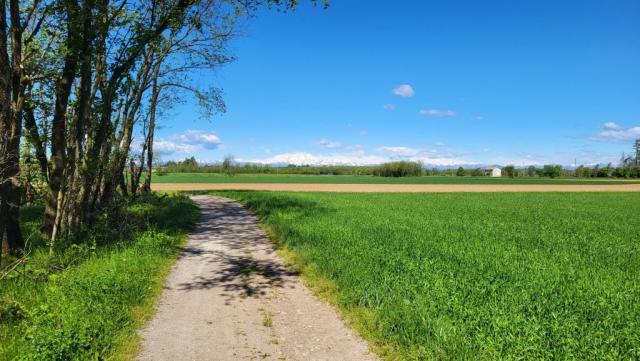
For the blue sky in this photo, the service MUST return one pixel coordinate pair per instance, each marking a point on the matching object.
(444, 82)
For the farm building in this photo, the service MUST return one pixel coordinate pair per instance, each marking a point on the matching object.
(493, 172)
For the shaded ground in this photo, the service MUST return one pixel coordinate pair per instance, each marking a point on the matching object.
(440, 188)
(229, 297)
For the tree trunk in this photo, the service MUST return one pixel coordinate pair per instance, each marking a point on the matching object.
(58, 130)
(155, 94)
(5, 124)
(33, 136)
(12, 99)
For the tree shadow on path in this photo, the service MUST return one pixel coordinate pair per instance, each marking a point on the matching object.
(241, 259)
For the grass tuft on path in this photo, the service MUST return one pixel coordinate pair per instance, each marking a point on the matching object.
(88, 301)
(470, 276)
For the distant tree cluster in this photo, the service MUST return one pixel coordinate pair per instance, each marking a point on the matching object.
(395, 169)
(627, 168)
(190, 165)
(399, 169)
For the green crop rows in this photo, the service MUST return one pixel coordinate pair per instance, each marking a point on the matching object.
(473, 276)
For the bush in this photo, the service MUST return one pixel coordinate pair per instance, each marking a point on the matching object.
(161, 171)
(11, 311)
(399, 169)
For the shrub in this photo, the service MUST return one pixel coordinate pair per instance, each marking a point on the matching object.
(11, 311)
(161, 171)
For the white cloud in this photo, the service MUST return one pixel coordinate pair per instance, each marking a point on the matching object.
(401, 151)
(326, 143)
(389, 106)
(440, 144)
(611, 126)
(187, 143)
(358, 155)
(585, 155)
(612, 132)
(404, 90)
(478, 118)
(302, 158)
(363, 133)
(436, 113)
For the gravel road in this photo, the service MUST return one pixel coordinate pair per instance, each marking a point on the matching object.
(229, 297)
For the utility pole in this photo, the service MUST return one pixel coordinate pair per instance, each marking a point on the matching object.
(637, 146)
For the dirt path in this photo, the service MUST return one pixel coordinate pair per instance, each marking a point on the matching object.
(399, 187)
(229, 297)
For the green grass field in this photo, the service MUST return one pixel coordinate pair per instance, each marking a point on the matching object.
(347, 179)
(87, 301)
(471, 276)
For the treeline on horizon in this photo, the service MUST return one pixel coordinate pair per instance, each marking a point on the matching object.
(627, 168)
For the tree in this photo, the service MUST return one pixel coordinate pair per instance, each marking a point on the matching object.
(16, 33)
(460, 172)
(81, 78)
(227, 166)
(509, 171)
(552, 171)
(478, 172)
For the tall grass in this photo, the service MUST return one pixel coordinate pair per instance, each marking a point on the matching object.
(472, 276)
(88, 300)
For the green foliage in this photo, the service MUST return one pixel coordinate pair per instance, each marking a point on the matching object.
(552, 171)
(228, 167)
(11, 311)
(509, 171)
(79, 304)
(478, 172)
(161, 171)
(399, 169)
(460, 172)
(473, 276)
(190, 165)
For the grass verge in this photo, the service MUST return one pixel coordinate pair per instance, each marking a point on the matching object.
(88, 301)
(470, 276)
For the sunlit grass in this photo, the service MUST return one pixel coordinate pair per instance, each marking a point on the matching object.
(88, 301)
(471, 276)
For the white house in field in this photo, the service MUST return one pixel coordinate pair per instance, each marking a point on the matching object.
(493, 172)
